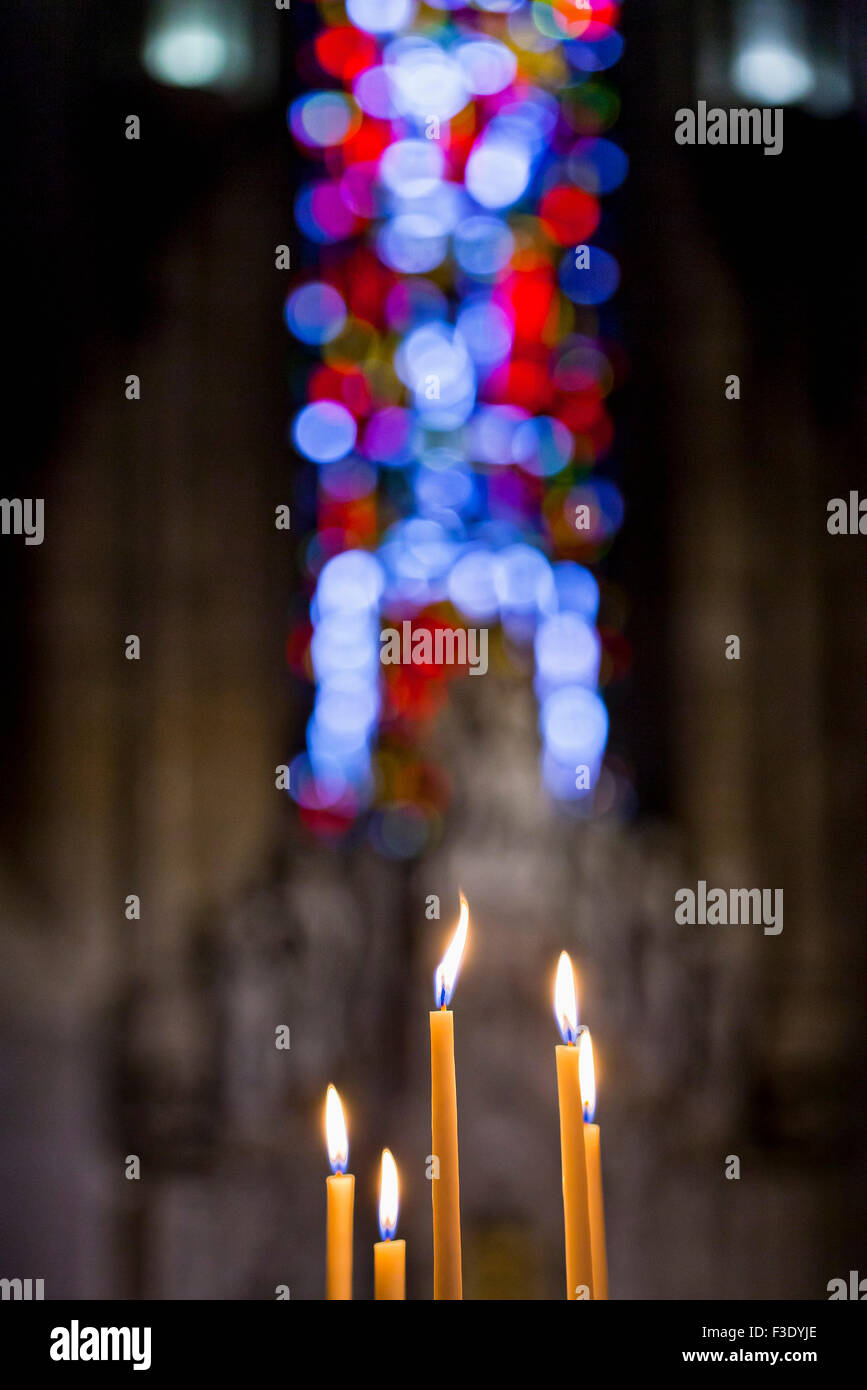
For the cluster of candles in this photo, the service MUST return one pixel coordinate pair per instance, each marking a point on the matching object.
(580, 1150)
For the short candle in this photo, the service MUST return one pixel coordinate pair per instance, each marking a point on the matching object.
(389, 1255)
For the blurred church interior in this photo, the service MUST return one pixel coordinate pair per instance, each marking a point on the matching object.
(155, 1037)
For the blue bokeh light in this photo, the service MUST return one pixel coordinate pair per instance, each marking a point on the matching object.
(315, 313)
(324, 431)
(472, 585)
(574, 725)
(525, 583)
(567, 652)
(380, 16)
(349, 583)
(591, 284)
(483, 245)
(497, 171)
(597, 165)
(577, 590)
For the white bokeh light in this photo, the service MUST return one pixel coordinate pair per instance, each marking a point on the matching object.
(187, 55)
(772, 73)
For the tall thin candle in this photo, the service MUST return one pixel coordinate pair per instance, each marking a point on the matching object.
(445, 1184)
(576, 1214)
(340, 1189)
(593, 1152)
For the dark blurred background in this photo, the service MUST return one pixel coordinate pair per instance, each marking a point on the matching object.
(156, 1037)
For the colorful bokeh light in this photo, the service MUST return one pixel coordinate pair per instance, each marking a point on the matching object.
(454, 427)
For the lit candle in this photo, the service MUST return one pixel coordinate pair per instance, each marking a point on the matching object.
(389, 1255)
(593, 1151)
(576, 1214)
(340, 1189)
(445, 1188)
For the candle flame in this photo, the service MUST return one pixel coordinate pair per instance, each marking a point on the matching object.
(335, 1132)
(565, 1002)
(446, 972)
(587, 1076)
(388, 1196)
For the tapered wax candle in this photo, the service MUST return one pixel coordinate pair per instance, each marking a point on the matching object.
(445, 1187)
(340, 1189)
(593, 1152)
(389, 1255)
(576, 1214)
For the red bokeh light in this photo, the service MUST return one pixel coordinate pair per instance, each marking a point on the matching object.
(348, 386)
(344, 52)
(569, 215)
(523, 382)
(526, 297)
